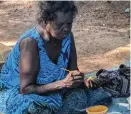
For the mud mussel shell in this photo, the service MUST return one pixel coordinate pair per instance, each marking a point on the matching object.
(78, 77)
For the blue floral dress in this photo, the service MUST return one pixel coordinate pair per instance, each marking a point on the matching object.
(12, 102)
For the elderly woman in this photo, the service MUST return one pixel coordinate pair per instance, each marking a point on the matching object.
(34, 79)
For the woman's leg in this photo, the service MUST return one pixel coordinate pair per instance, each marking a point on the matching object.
(11, 102)
(77, 100)
(3, 99)
(37, 109)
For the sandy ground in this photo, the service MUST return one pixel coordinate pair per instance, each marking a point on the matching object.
(101, 30)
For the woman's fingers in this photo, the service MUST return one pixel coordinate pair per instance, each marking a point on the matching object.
(88, 82)
(78, 78)
(73, 79)
(75, 72)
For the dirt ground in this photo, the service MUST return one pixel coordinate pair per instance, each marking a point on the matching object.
(101, 30)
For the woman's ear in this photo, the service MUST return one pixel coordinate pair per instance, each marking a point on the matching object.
(45, 30)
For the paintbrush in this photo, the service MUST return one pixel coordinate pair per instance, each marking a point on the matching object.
(78, 77)
(65, 69)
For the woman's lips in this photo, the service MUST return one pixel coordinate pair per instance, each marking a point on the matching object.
(62, 36)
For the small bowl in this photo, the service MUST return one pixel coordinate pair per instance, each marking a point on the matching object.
(98, 109)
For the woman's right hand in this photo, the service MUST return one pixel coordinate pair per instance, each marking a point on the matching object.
(73, 79)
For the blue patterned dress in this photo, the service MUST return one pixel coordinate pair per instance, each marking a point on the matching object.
(12, 102)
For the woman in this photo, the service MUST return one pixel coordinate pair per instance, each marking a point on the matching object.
(33, 78)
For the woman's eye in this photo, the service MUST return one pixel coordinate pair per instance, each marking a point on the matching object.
(60, 25)
(69, 23)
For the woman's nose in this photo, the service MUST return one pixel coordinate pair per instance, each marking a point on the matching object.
(65, 28)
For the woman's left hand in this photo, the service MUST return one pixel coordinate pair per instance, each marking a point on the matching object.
(88, 83)
(91, 82)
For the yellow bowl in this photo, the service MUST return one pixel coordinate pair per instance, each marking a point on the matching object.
(98, 109)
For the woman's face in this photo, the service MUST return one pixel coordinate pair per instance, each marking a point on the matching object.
(61, 26)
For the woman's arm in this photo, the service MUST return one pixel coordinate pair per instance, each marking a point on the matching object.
(73, 56)
(29, 68)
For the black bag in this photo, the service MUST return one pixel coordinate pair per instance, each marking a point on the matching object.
(116, 82)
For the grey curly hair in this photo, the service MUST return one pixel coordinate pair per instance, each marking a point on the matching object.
(48, 9)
